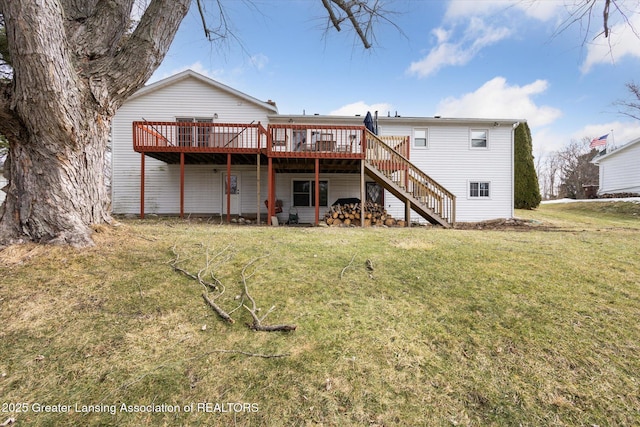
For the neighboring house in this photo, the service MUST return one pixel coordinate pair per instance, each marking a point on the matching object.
(190, 145)
(619, 170)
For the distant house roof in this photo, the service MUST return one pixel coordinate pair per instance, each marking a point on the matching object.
(597, 159)
(190, 74)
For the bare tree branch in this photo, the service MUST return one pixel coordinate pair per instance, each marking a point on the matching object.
(586, 11)
(217, 286)
(347, 266)
(257, 322)
(631, 108)
(361, 14)
(219, 311)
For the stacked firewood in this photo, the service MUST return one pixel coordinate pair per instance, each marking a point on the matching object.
(351, 214)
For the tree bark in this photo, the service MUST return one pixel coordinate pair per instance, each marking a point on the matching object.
(73, 65)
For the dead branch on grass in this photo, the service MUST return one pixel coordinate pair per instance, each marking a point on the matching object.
(257, 321)
(216, 285)
(219, 311)
(189, 359)
(249, 354)
(347, 266)
(211, 263)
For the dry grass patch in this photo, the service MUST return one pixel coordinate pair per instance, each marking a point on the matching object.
(450, 327)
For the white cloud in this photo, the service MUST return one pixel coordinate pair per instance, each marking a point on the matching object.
(476, 36)
(196, 66)
(623, 41)
(542, 10)
(360, 108)
(496, 99)
(619, 132)
(259, 61)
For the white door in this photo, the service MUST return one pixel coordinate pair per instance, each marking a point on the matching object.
(235, 194)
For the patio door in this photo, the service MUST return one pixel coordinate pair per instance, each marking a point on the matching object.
(235, 194)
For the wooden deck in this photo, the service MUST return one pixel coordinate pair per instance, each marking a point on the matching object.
(158, 139)
(298, 148)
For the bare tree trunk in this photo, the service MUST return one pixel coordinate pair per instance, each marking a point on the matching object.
(74, 64)
(56, 191)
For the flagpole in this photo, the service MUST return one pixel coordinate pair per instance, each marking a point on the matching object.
(613, 141)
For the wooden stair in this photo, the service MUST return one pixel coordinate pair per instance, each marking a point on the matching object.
(395, 173)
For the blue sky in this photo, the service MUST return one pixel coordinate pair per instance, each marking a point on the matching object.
(457, 58)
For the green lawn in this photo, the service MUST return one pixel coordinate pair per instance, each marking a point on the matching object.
(530, 327)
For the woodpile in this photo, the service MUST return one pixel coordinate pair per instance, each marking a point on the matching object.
(351, 214)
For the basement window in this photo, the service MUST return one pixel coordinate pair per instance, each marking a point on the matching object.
(304, 193)
(479, 189)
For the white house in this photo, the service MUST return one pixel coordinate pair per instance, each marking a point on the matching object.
(190, 145)
(620, 169)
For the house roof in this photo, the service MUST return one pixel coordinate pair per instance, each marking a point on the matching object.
(597, 159)
(190, 74)
(416, 121)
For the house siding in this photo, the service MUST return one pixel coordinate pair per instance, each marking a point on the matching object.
(448, 158)
(340, 186)
(188, 97)
(619, 173)
(450, 161)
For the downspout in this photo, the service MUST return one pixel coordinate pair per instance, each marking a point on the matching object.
(513, 172)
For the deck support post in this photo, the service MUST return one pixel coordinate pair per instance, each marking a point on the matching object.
(142, 185)
(228, 187)
(317, 195)
(363, 195)
(407, 212)
(182, 184)
(258, 189)
(270, 191)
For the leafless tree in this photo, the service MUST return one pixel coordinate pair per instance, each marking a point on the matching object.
(585, 12)
(576, 169)
(546, 165)
(73, 64)
(631, 107)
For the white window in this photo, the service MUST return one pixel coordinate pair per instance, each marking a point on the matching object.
(304, 193)
(421, 138)
(479, 138)
(479, 189)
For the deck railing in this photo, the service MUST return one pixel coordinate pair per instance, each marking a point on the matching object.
(399, 170)
(398, 143)
(197, 137)
(291, 140)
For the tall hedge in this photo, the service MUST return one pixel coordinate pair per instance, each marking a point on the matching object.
(526, 189)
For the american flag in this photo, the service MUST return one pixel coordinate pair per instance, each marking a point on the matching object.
(597, 142)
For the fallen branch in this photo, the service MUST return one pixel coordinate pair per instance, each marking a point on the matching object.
(257, 322)
(217, 286)
(272, 328)
(220, 312)
(347, 266)
(199, 356)
(246, 353)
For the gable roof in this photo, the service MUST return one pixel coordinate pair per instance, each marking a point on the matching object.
(597, 159)
(190, 74)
